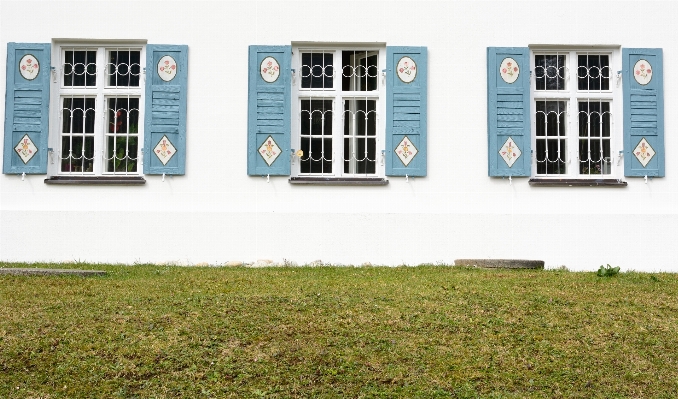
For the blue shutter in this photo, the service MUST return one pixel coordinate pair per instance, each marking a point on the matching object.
(406, 111)
(269, 111)
(27, 108)
(643, 112)
(165, 109)
(508, 111)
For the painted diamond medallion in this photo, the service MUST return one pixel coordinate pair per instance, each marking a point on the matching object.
(29, 67)
(164, 150)
(26, 149)
(642, 71)
(270, 69)
(406, 151)
(644, 152)
(167, 68)
(406, 69)
(269, 150)
(509, 70)
(510, 152)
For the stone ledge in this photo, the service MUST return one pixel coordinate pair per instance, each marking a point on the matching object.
(501, 263)
(29, 271)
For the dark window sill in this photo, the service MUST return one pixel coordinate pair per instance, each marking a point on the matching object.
(97, 180)
(577, 183)
(343, 181)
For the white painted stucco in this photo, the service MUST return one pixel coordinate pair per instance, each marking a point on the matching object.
(216, 213)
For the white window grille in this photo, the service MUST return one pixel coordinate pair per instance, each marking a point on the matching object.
(338, 99)
(100, 102)
(575, 98)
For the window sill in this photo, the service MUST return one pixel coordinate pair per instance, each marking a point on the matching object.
(97, 180)
(577, 183)
(340, 181)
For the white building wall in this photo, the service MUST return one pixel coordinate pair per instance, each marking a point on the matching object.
(216, 213)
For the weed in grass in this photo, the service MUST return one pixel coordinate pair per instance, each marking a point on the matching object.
(608, 271)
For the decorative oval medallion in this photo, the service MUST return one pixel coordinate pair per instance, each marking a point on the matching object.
(29, 67)
(509, 70)
(167, 68)
(642, 71)
(270, 69)
(406, 69)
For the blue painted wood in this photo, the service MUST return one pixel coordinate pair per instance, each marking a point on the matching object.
(643, 112)
(165, 109)
(269, 111)
(26, 108)
(406, 111)
(508, 112)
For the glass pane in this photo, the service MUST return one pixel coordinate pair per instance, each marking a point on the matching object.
(80, 68)
(78, 115)
(360, 130)
(317, 70)
(550, 118)
(594, 156)
(123, 128)
(594, 119)
(124, 68)
(359, 70)
(77, 153)
(551, 152)
(549, 71)
(316, 136)
(593, 72)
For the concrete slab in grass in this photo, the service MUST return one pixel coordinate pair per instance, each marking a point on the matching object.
(501, 263)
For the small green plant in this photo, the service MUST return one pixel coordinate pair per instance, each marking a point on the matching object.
(608, 271)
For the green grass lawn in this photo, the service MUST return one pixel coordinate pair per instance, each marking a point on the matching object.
(429, 332)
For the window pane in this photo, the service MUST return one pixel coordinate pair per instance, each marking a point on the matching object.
(594, 138)
(593, 72)
(317, 70)
(549, 71)
(316, 136)
(80, 68)
(360, 130)
(551, 152)
(359, 70)
(123, 127)
(124, 68)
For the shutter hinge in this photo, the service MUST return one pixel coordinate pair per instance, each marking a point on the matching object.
(54, 74)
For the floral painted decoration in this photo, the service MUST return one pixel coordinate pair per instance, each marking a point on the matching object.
(269, 150)
(164, 150)
(644, 152)
(29, 67)
(642, 72)
(406, 69)
(510, 152)
(167, 68)
(270, 69)
(509, 70)
(406, 151)
(26, 149)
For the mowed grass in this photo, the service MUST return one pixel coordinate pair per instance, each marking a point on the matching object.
(327, 332)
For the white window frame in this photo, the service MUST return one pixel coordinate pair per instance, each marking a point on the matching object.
(101, 92)
(338, 95)
(572, 95)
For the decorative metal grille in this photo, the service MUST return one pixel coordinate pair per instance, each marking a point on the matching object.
(80, 68)
(122, 141)
(594, 138)
(77, 134)
(551, 137)
(355, 92)
(123, 68)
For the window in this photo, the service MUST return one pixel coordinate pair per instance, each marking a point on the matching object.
(575, 116)
(337, 103)
(335, 114)
(575, 99)
(100, 128)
